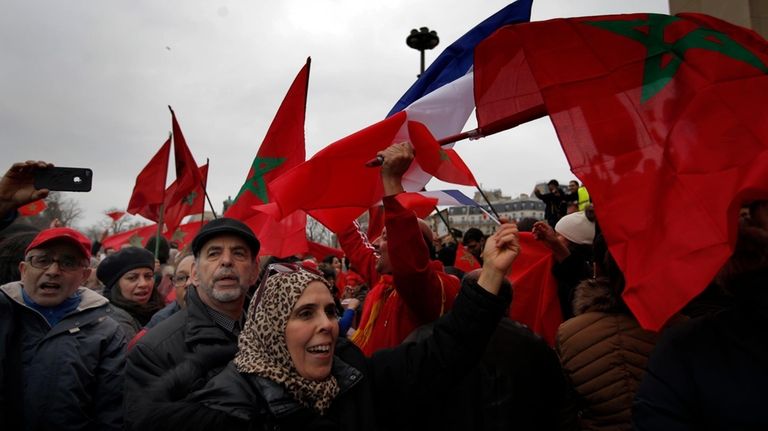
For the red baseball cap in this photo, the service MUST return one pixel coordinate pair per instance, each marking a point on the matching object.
(62, 234)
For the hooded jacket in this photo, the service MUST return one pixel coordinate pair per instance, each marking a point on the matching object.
(66, 377)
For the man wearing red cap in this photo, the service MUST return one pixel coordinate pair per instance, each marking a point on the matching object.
(62, 355)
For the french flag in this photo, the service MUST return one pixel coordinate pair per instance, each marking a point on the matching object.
(335, 186)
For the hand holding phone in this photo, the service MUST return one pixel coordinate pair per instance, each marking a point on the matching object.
(64, 179)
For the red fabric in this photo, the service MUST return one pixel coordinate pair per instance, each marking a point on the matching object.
(464, 260)
(535, 302)
(669, 160)
(188, 179)
(375, 221)
(136, 237)
(149, 191)
(320, 251)
(116, 215)
(413, 294)
(444, 164)
(281, 150)
(336, 177)
(421, 205)
(279, 238)
(32, 208)
(192, 203)
(184, 234)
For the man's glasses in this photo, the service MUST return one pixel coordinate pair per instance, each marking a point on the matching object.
(179, 279)
(280, 268)
(66, 263)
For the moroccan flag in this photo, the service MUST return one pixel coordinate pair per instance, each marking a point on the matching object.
(135, 237)
(193, 203)
(184, 234)
(663, 119)
(32, 208)
(149, 191)
(443, 164)
(188, 177)
(534, 299)
(116, 215)
(281, 150)
(464, 260)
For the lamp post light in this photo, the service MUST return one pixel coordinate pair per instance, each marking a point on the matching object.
(422, 40)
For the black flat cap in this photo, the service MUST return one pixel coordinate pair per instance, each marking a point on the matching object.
(224, 226)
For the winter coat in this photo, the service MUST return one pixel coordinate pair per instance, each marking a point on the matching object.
(186, 333)
(384, 391)
(129, 324)
(604, 353)
(710, 372)
(69, 377)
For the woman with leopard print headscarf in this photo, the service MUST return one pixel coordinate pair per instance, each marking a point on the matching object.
(292, 371)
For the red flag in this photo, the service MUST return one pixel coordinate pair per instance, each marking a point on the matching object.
(464, 260)
(188, 177)
(116, 215)
(135, 237)
(281, 150)
(663, 119)
(535, 301)
(149, 191)
(336, 177)
(320, 251)
(193, 203)
(32, 208)
(441, 163)
(184, 234)
(420, 204)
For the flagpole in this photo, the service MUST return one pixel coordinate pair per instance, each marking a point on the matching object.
(159, 230)
(205, 192)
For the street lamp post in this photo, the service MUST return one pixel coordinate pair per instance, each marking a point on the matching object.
(422, 40)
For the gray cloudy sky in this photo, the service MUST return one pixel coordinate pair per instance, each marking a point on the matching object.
(86, 83)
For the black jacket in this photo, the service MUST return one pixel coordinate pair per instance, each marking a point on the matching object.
(69, 377)
(710, 372)
(189, 333)
(384, 391)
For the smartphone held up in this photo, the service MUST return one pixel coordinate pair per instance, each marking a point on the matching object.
(64, 179)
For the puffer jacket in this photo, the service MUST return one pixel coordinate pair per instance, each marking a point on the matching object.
(66, 377)
(604, 353)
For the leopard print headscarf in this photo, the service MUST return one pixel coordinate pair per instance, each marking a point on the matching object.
(262, 347)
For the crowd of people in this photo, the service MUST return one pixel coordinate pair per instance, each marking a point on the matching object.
(392, 336)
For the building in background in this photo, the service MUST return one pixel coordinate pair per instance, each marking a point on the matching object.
(746, 13)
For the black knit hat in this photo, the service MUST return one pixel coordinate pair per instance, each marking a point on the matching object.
(116, 265)
(223, 226)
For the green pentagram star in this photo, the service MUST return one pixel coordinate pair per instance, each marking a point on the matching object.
(190, 198)
(656, 74)
(443, 155)
(136, 241)
(178, 235)
(255, 183)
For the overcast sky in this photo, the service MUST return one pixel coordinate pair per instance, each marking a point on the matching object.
(87, 83)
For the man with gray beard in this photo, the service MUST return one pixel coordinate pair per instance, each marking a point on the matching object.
(202, 337)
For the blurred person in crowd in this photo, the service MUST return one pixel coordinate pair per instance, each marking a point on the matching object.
(555, 202)
(163, 272)
(62, 357)
(12, 251)
(93, 281)
(128, 278)
(181, 281)
(474, 241)
(603, 350)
